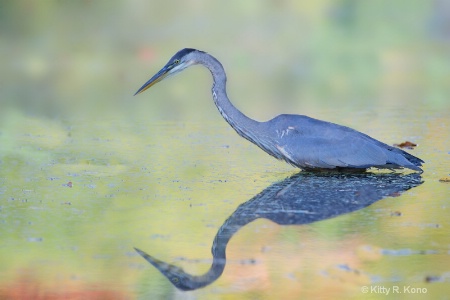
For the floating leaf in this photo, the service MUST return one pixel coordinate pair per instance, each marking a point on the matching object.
(407, 145)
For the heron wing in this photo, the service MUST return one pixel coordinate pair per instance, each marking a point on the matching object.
(312, 143)
(320, 152)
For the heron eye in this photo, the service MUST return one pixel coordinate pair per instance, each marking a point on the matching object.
(176, 61)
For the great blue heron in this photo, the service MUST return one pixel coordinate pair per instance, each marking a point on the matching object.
(301, 141)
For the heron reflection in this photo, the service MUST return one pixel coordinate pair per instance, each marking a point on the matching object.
(300, 199)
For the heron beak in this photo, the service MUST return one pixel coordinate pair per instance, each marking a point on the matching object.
(155, 79)
(160, 265)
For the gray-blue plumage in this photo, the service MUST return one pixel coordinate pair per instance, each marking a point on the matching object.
(301, 141)
(320, 144)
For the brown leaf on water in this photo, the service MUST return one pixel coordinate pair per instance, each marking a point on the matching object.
(406, 144)
(69, 184)
(445, 179)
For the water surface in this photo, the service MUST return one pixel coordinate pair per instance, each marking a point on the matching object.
(78, 197)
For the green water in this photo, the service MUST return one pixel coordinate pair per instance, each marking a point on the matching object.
(87, 171)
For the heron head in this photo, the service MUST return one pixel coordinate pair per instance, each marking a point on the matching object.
(176, 275)
(180, 61)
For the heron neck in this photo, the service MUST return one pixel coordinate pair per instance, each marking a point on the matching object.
(243, 125)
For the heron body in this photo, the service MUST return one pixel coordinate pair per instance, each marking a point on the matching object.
(301, 141)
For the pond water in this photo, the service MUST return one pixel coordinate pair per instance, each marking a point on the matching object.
(79, 195)
(89, 173)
